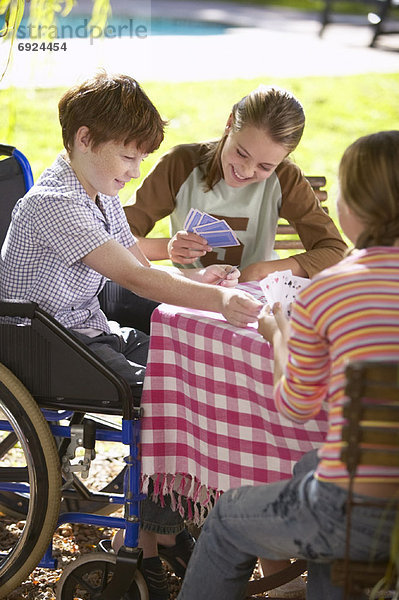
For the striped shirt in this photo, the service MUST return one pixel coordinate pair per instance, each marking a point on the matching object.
(53, 227)
(349, 312)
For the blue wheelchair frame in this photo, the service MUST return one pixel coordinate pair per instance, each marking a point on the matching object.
(129, 436)
(22, 161)
(69, 359)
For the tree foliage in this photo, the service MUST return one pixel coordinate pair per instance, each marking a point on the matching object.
(43, 12)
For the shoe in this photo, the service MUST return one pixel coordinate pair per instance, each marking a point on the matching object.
(293, 589)
(155, 578)
(177, 556)
(152, 571)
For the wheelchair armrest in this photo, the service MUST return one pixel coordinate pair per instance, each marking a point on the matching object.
(17, 308)
(6, 150)
(57, 369)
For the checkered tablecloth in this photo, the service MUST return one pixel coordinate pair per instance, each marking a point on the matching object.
(209, 418)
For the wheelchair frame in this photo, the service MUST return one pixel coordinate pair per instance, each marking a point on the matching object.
(61, 374)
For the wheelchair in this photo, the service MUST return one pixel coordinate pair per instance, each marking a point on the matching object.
(57, 400)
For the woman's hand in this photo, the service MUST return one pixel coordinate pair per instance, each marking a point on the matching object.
(186, 247)
(223, 275)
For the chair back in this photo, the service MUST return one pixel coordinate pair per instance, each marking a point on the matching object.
(15, 180)
(372, 414)
(286, 235)
(371, 436)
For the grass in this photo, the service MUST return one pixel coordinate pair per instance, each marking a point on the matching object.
(338, 109)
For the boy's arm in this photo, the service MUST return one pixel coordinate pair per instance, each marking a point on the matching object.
(131, 269)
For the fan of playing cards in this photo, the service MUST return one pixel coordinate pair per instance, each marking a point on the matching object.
(217, 232)
(283, 287)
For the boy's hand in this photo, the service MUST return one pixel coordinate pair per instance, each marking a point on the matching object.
(186, 247)
(240, 308)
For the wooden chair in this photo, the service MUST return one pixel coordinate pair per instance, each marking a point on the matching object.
(286, 235)
(368, 423)
(372, 438)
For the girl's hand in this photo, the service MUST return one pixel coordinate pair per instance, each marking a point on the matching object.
(267, 325)
(275, 328)
(186, 247)
(223, 275)
(282, 322)
(272, 322)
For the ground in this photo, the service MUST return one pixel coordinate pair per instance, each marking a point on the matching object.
(71, 540)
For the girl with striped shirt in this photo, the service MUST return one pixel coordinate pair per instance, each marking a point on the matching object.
(349, 312)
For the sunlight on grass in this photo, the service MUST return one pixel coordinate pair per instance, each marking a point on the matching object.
(338, 109)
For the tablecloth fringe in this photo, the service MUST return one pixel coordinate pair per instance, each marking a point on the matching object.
(187, 495)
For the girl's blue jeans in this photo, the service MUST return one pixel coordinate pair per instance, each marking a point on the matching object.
(296, 518)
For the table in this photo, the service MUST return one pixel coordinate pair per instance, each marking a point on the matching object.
(210, 423)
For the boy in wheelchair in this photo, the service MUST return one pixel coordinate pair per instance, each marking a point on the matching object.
(69, 234)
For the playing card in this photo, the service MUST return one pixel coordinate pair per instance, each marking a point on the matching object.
(220, 239)
(192, 219)
(291, 285)
(205, 219)
(283, 287)
(216, 231)
(218, 225)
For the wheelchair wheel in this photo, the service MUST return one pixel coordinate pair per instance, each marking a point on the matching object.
(28, 456)
(86, 578)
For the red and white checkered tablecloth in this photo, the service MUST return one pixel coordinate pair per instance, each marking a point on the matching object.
(210, 423)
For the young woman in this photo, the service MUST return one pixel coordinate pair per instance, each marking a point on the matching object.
(347, 313)
(247, 179)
